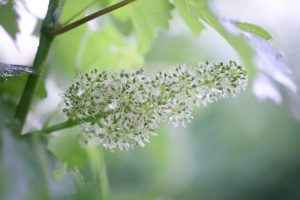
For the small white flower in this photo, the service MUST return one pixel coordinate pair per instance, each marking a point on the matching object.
(113, 105)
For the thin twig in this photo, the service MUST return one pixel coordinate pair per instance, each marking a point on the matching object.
(90, 17)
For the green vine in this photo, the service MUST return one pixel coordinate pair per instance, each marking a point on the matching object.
(41, 55)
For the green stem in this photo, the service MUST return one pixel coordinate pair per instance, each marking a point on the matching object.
(33, 79)
(42, 165)
(103, 176)
(69, 123)
(57, 127)
(98, 169)
(90, 17)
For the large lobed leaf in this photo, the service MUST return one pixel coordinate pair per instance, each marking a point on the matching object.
(199, 10)
(106, 47)
(190, 12)
(146, 16)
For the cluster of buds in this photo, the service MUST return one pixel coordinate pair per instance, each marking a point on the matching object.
(121, 110)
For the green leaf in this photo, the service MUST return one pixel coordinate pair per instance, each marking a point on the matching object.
(41, 91)
(199, 9)
(71, 9)
(190, 12)
(103, 3)
(8, 19)
(10, 70)
(65, 48)
(64, 52)
(146, 17)
(12, 85)
(67, 149)
(21, 157)
(59, 172)
(7, 71)
(106, 47)
(252, 28)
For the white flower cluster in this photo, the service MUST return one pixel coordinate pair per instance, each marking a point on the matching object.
(123, 110)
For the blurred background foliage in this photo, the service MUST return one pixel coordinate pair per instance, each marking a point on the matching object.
(237, 148)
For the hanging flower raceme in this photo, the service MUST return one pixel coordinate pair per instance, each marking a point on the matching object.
(121, 110)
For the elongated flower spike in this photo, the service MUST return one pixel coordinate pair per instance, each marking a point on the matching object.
(121, 110)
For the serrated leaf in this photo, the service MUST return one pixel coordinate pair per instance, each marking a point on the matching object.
(252, 28)
(200, 10)
(190, 13)
(106, 47)
(8, 19)
(146, 17)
